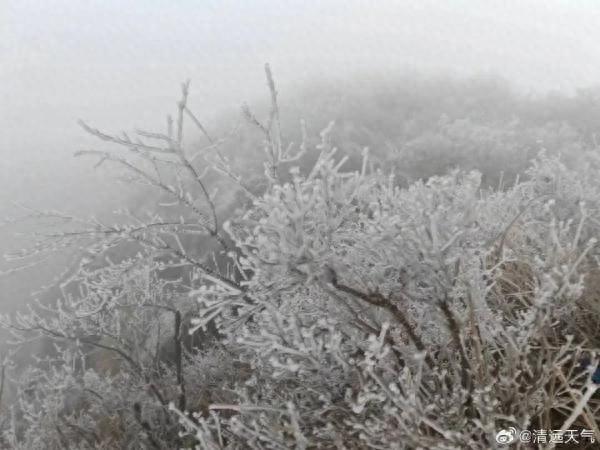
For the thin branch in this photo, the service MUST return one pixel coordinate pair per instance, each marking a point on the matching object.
(376, 299)
(198, 124)
(179, 361)
(122, 141)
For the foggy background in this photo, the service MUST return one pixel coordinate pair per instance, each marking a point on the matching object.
(118, 65)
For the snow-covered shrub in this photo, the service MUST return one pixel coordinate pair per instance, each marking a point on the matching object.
(353, 311)
(426, 317)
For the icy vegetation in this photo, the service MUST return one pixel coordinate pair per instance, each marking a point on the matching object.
(328, 303)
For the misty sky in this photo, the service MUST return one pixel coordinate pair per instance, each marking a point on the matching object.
(118, 64)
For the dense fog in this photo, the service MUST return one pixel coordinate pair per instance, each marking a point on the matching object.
(428, 87)
(119, 67)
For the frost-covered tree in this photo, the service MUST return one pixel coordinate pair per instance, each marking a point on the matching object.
(341, 309)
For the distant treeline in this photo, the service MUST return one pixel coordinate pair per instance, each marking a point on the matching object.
(427, 126)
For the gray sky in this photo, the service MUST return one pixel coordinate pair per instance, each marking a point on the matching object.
(118, 64)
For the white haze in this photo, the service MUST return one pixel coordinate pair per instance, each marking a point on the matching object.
(118, 64)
